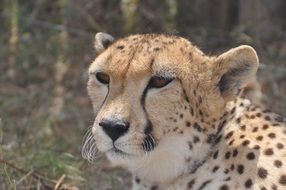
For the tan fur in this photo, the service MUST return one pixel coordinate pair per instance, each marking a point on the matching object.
(190, 117)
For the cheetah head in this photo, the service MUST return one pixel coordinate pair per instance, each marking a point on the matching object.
(149, 90)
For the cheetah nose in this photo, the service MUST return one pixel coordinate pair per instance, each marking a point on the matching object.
(114, 128)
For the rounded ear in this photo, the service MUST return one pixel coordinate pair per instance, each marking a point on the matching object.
(235, 68)
(102, 41)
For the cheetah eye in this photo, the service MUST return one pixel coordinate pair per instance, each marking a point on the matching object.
(159, 82)
(102, 77)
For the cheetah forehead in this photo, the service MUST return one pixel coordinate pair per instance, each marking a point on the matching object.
(163, 55)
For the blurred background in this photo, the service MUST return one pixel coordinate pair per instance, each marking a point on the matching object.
(45, 50)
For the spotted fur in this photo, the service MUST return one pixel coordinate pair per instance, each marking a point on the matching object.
(193, 133)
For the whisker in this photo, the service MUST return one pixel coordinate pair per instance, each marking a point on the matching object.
(89, 149)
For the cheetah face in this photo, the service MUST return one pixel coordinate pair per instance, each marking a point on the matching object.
(132, 104)
(135, 94)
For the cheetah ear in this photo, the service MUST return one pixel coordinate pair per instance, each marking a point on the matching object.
(102, 41)
(235, 68)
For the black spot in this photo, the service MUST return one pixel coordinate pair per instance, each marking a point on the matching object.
(232, 167)
(204, 184)
(156, 49)
(191, 183)
(265, 126)
(255, 129)
(227, 155)
(258, 114)
(231, 142)
(267, 118)
(248, 183)
(240, 169)
(243, 127)
(234, 153)
(201, 113)
(224, 187)
(229, 135)
(282, 180)
(200, 99)
(232, 110)
(280, 146)
(245, 142)
(278, 163)
(197, 127)
(196, 139)
(190, 145)
(268, 151)
(137, 180)
(259, 138)
(154, 187)
(271, 135)
(120, 47)
(215, 169)
(274, 187)
(191, 111)
(227, 179)
(188, 124)
(215, 155)
(262, 173)
(250, 156)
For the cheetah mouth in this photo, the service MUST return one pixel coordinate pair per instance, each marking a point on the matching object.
(117, 151)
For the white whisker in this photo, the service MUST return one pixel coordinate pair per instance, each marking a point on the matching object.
(89, 149)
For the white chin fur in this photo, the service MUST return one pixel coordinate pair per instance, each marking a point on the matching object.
(162, 164)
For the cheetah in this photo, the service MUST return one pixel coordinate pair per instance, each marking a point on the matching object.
(175, 118)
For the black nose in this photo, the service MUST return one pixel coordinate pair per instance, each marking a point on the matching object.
(114, 128)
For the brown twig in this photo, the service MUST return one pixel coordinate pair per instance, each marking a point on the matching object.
(24, 177)
(59, 182)
(35, 175)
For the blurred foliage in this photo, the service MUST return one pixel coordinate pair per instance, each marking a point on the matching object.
(46, 47)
